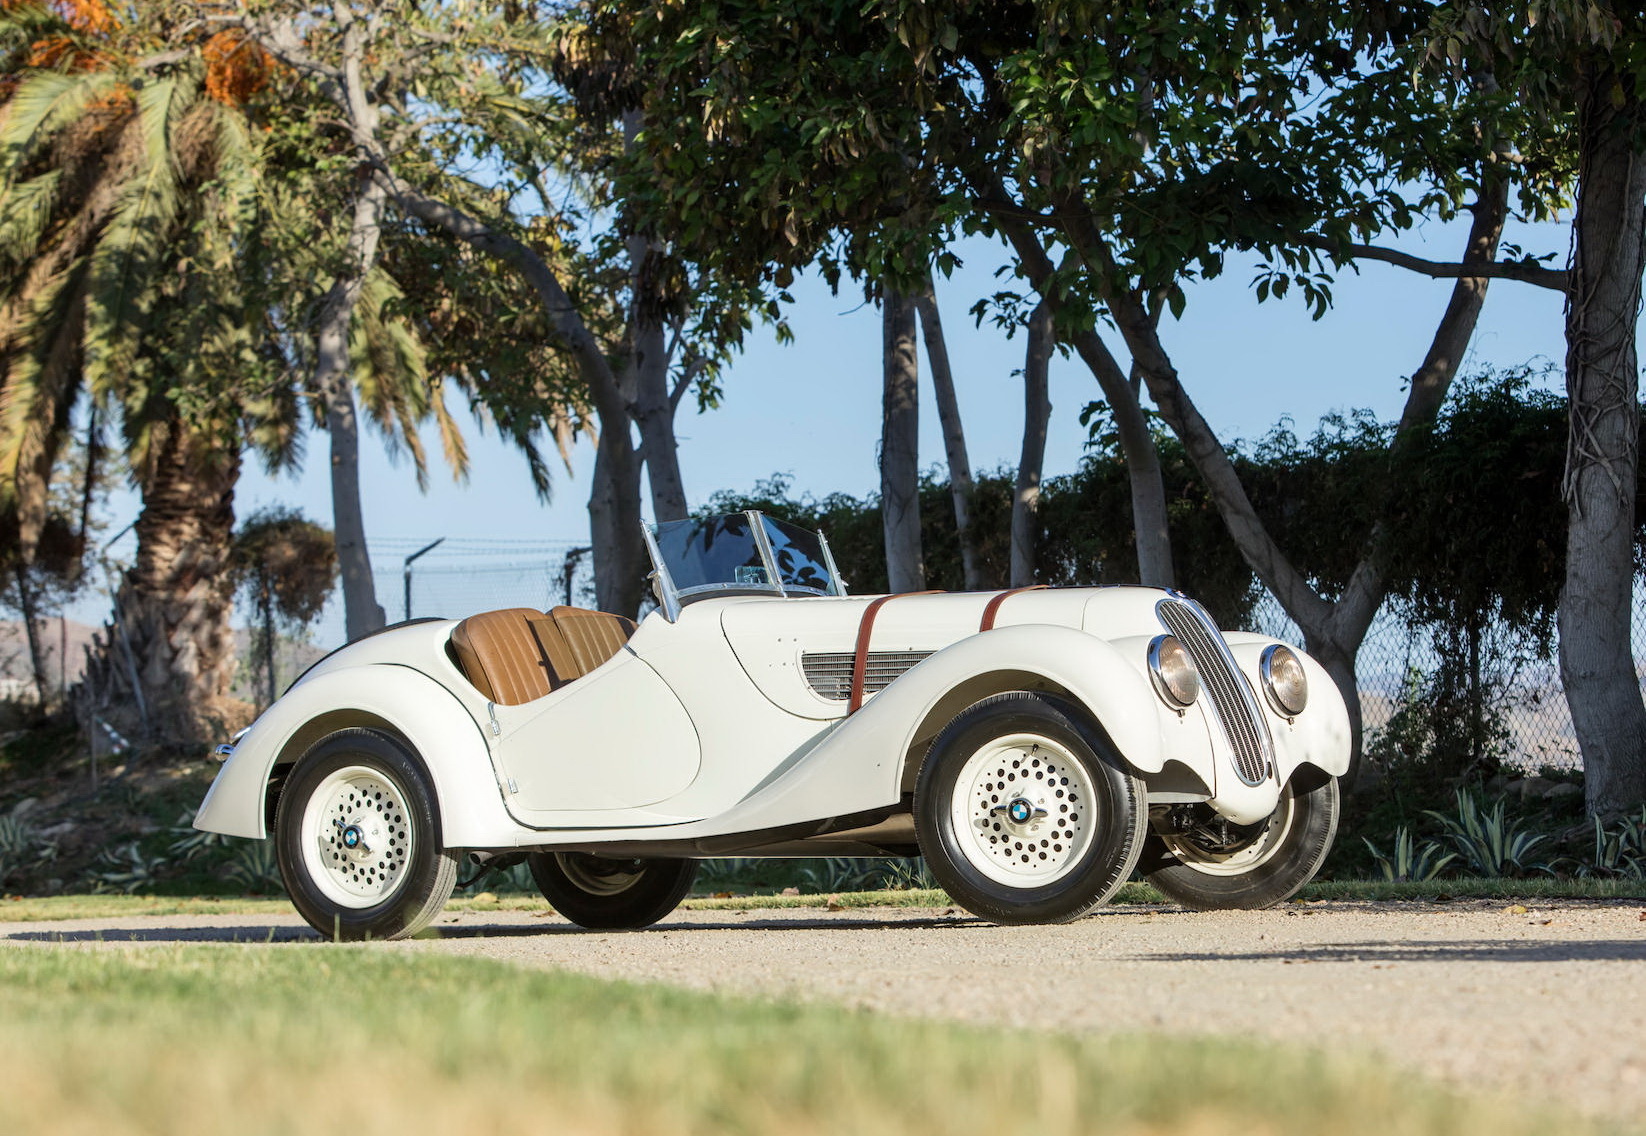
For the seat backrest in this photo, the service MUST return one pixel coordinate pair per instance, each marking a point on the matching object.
(590, 638)
(501, 656)
(517, 654)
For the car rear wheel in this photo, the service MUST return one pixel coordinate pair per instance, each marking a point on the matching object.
(1205, 862)
(605, 893)
(357, 839)
(1024, 812)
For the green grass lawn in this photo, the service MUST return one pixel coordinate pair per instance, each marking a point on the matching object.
(27, 909)
(373, 1041)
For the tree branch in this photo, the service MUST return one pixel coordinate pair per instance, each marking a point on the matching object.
(1526, 272)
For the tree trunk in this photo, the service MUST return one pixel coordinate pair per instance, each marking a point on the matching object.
(614, 523)
(1148, 489)
(362, 614)
(265, 609)
(900, 445)
(31, 632)
(1333, 629)
(954, 437)
(646, 379)
(1037, 412)
(1602, 386)
(166, 659)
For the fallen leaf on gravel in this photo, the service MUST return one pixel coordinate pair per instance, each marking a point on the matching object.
(1642, 917)
(1515, 909)
(833, 903)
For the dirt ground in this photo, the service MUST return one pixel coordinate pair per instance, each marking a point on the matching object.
(1547, 1002)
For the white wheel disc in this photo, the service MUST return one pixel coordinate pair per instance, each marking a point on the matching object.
(357, 840)
(1022, 810)
(1240, 858)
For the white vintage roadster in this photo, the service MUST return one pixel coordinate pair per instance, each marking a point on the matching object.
(1035, 745)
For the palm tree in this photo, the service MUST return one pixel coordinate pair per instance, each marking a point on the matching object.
(128, 172)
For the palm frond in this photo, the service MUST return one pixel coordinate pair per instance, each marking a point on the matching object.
(452, 442)
(390, 367)
(40, 388)
(25, 213)
(129, 254)
(43, 104)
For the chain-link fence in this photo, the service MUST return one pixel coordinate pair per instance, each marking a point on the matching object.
(1518, 685)
(459, 576)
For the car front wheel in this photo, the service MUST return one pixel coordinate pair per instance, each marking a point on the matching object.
(604, 893)
(1024, 812)
(357, 839)
(1203, 861)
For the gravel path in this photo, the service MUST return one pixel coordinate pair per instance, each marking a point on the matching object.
(1547, 1002)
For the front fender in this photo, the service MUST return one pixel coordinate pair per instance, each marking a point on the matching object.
(445, 736)
(1319, 736)
(908, 714)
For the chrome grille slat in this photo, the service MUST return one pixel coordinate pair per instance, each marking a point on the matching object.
(829, 673)
(1231, 696)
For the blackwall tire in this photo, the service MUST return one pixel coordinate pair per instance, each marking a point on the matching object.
(1274, 860)
(1024, 812)
(603, 893)
(357, 839)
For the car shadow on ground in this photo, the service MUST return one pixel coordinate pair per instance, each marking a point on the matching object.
(1462, 950)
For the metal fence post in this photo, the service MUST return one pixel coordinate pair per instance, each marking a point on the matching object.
(407, 567)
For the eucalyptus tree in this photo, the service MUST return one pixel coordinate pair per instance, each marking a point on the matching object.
(1581, 66)
(1139, 146)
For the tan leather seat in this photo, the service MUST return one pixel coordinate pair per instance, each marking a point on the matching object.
(518, 654)
(501, 657)
(589, 638)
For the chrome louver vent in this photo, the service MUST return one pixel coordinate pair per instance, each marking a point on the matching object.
(1231, 695)
(829, 673)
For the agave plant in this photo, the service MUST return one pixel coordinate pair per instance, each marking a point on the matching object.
(1411, 861)
(1490, 843)
(1619, 853)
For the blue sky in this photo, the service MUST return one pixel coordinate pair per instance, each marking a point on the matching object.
(811, 409)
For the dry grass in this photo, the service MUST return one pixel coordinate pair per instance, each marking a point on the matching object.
(373, 1041)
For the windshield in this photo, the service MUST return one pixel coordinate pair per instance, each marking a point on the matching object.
(717, 551)
(738, 552)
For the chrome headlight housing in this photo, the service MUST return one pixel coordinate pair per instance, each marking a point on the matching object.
(1175, 678)
(1284, 681)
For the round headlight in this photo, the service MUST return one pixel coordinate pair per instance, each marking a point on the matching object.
(1175, 678)
(1284, 680)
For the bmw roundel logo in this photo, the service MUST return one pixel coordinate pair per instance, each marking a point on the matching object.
(1020, 811)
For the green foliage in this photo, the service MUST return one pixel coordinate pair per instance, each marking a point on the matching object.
(865, 873)
(1619, 853)
(127, 868)
(1489, 843)
(21, 847)
(253, 868)
(1410, 861)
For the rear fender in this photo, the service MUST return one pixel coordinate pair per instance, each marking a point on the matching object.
(396, 699)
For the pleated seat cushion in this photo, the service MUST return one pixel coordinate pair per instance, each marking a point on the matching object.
(501, 656)
(518, 654)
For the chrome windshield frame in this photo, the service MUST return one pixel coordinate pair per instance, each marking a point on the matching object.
(672, 598)
(763, 541)
(668, 596)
